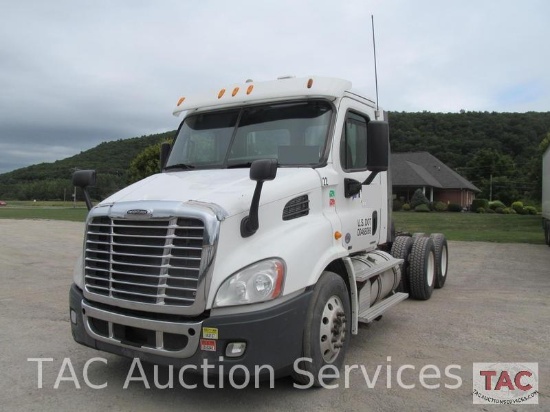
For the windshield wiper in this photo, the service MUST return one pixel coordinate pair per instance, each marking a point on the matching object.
(239, 165)
(180, 166)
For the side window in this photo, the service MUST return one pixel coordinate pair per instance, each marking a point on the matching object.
(353, 146)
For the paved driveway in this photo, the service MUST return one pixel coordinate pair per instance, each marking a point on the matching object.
(494, 308)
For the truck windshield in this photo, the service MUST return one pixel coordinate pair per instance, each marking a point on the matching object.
(293, 133)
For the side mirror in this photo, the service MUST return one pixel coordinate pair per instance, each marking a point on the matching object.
(378, 148)
(260, 171)
(83, 179)
(165, 149)
(264, 169)
(378, 145)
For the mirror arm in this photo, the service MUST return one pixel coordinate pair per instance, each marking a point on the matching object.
(260, 171)
(371, 177)
(87, 199)
(250, 223)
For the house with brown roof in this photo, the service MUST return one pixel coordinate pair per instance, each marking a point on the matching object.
(439, 183)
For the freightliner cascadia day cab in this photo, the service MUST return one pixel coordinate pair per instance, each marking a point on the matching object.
(266, 238)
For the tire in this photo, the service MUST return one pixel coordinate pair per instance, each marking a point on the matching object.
(327, 328)
(441, 250)
(401, 249)
(422, 268)
(418, 234)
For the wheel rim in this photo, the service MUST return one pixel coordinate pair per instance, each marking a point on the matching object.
(443, 262)
(333, 329)
(430, 269)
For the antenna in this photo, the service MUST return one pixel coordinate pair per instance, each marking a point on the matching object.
(375, 71)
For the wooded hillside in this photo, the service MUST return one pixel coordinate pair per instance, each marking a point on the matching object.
(502, 148)
(52, 181)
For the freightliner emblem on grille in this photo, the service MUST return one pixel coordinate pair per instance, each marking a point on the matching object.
(139, 213)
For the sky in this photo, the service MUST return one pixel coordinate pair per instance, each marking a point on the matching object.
(75, 73)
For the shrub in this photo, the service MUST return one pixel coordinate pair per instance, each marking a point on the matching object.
(397, 205)
(513, 212)
(530, 210)
(495, 204)
(454, 207)
(406, 207)
(517, 204)
(477, 203)
(500, 210)
(480, 210)
(507, 210)
(518, 207)
(422, 208)
(490, 211)
(419, 199)
(440, 206)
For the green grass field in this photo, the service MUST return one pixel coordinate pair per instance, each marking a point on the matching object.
(456, 226)
(474, 226)
(44, 210)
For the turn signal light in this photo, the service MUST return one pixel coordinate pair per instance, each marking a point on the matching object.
(180, 101)
(221, 93)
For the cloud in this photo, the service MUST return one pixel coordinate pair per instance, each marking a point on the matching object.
(74, 74)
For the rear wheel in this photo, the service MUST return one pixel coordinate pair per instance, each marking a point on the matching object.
(441, 259)
(422, 268)
(401, 249)
(326, 332)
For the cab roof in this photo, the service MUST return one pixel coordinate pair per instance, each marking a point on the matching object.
(282, 88)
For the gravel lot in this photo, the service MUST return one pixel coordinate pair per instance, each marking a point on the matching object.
(494, 308)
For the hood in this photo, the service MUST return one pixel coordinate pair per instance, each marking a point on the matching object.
(231, 189)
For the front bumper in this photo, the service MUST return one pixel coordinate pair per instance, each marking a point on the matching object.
(273, 336)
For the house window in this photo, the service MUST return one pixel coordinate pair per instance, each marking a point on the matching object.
(353, 149)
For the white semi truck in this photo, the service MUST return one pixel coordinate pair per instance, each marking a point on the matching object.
(266, 238)
(546, 195)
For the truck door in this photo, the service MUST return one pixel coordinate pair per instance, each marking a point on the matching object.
(360, 214)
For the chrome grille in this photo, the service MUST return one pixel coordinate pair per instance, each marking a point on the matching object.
(148, 261)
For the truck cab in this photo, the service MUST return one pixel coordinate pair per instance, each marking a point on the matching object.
(263, 242)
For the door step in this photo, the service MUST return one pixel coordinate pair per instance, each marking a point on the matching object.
(369, 314)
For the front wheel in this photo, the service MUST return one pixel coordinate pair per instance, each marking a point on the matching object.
(327, 329)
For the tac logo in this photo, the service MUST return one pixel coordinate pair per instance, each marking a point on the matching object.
(506, 383)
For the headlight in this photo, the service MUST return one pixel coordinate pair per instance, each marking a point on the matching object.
(78, 272)
(259, 282)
